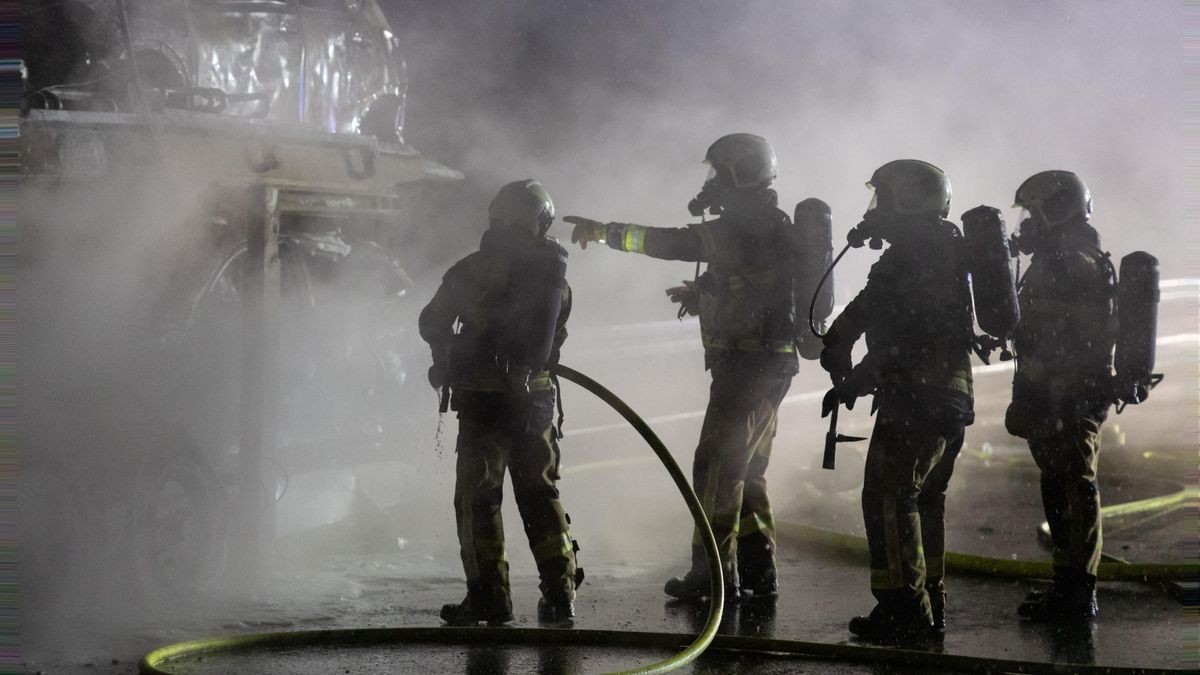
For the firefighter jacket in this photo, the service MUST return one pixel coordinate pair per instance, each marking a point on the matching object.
(1064, 342)
(474, 294)
(917, 317)
(747, 300)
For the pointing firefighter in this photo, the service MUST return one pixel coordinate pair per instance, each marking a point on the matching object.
(511, 301)
(748, 323)
(1062, 387)
(916, 314)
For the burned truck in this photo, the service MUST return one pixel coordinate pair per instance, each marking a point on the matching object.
(217, 209)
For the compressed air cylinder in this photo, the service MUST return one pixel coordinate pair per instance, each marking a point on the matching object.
(992, 284)
(534, 299)
(1137, 317)
(815, 223)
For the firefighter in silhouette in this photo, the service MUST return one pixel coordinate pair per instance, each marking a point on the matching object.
(510, 303)
(747, 323)
(1062, 387)
(915, 312)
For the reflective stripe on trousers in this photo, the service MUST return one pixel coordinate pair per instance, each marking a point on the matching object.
(733, 454)
(909, 464)
(489, 445)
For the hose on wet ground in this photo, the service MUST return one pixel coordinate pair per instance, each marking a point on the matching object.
(158, 661)
(163, 656)
(361, 638)
(986, 566)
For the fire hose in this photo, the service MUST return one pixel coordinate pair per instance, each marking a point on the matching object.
(155, 661)
(159, 661)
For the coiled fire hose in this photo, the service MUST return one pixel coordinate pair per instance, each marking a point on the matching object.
(158, 661)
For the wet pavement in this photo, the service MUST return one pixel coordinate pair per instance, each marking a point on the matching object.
(1139, 626)
(393, 562)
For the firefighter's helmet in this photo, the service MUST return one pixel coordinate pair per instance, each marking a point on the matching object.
(910, 187)
(742, 161)
(1055, 197)
(523, 204)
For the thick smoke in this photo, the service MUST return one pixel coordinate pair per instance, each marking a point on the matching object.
(611, 105)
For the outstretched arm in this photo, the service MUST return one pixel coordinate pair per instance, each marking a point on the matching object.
(666, 243)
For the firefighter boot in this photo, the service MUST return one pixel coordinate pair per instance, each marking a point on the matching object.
(557, 604)
(1072, 597)
(483, 603)
(696, 585)
(898, 623)
(756, 567)
(561, 577)
(559, 612)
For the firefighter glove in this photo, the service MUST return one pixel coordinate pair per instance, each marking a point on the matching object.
(687, 297)
(830, 402)
(586, 230)
(836, 361)
(860, 381)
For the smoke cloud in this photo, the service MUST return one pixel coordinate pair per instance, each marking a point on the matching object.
(612, 104)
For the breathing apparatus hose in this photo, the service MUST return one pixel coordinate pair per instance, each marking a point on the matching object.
(812, 305)
(157, 661)
(380, 636)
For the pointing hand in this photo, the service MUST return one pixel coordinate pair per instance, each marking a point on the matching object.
(586, 230)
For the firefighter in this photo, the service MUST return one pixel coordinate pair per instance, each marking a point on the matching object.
(1062, 387)
(915, 312)
(505, 402)
(747, 324)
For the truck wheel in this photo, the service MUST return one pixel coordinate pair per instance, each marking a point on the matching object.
(178, 524)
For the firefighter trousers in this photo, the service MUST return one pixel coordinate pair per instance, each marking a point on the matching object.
(729, 471)
(499, 433)
(909, 463)
(1068, 459)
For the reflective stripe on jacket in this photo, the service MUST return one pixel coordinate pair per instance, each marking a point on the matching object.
(747, 301)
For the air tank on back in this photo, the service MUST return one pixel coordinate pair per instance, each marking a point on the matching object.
(535, 289)
(992, 284)
(814, 221)
(1137, 326)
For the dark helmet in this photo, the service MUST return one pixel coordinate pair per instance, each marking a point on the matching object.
(910, 187)
(523, 204)
(742, 160)
(1055, 197)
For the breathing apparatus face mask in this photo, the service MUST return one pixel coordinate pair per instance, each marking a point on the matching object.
(873, 228)
(708, 197)
(1029, 232)
(545, 220)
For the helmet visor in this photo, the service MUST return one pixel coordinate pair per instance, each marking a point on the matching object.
(874, 199)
